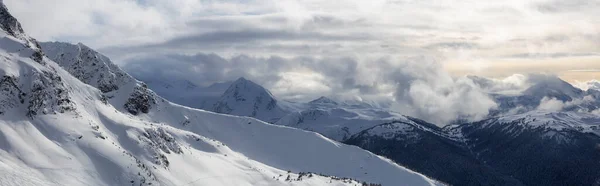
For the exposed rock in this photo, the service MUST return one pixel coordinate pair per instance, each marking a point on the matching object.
(141, 100)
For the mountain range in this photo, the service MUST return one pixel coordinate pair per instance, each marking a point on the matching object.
(521, 142)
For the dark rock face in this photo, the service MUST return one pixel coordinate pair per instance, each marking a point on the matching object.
(48, 95)
(9, 23)
(140, 101)
(157, 141)
(11, 95)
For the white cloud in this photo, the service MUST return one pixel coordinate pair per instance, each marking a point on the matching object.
(426, 91)
(393, 27)
(551, 104)
(592, 84)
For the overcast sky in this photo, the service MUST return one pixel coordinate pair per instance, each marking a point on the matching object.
(301, 49)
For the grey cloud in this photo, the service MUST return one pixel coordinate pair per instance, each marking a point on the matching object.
(453, 45)
(422, 88)
(339, 74)
(550, 55)
(228, 37)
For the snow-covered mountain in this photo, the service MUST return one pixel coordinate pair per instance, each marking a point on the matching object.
(538, 147)
(71, 126)
(431, 150)
(337, 121)
(540, 89)
(246, 98)
(461, 154)
(534, 148)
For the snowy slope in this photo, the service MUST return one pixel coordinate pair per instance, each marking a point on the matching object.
(57, 130)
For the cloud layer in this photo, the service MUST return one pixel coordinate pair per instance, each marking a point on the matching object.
(416, 86)
(391, 51)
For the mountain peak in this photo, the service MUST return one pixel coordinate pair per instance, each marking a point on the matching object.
(247, 87)
(246, 98)
(243, 82)
(87, 65)
(552, 86)
(241, 79)
(8, 23)
(11, 26)
(323, 100)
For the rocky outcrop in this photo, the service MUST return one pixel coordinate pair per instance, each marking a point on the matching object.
(140, 101)
(48, 95)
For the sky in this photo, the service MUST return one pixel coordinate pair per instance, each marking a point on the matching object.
(412, 52)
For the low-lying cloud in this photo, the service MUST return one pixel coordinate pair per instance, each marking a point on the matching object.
(425, 90)
(415, 86)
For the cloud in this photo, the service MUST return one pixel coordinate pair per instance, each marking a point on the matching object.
(513, 84)
(426, 91)
(417, 86)
(551, 104)
(592, 84)
(319, 28)
(586, 104)
(299, 78)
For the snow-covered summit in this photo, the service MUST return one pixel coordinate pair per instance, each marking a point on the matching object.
(97, 70)
(324, 101)
(87, 65)
(246, 98)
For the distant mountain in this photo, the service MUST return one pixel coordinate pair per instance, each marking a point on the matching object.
(454, 154)
(246, 98)
(186, 93)
(538, 148)
(335, 120)
(434, 152)
(323, 101)
(80, 121)
(541, 88)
